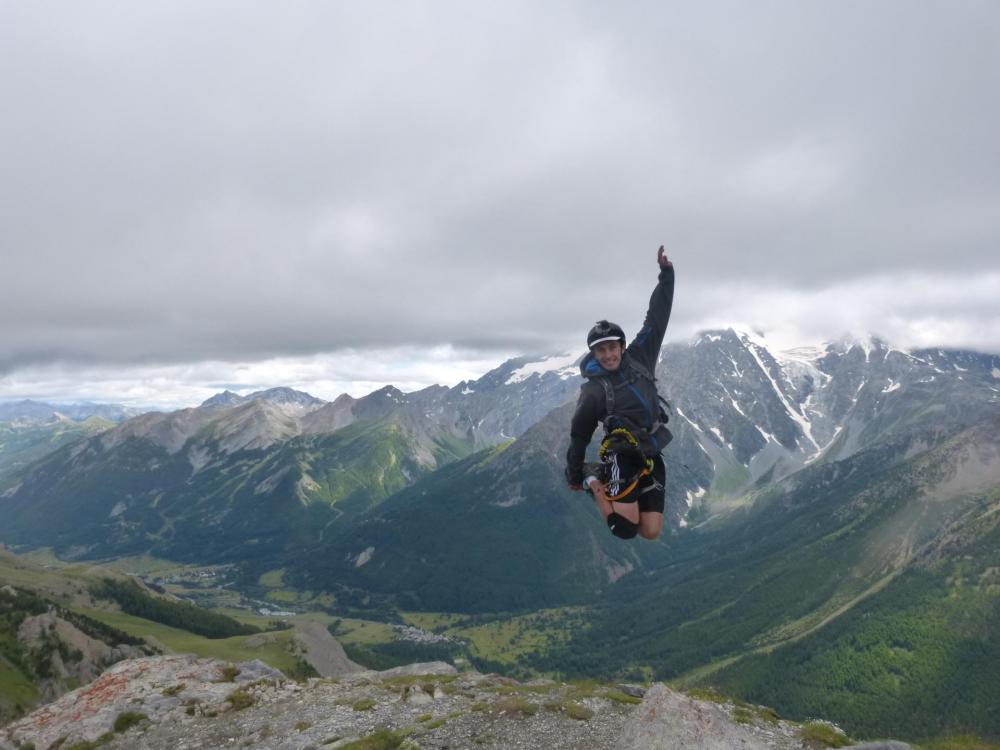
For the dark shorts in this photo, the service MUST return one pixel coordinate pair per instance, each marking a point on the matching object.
(651, 498)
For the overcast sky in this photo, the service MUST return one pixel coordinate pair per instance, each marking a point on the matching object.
(337, 195)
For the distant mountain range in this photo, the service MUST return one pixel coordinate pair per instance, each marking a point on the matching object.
(255, 477)
(39, 411)
(832, 516)
(252, 477)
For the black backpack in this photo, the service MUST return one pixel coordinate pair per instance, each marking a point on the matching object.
(652, 441)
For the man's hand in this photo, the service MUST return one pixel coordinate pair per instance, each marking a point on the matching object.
(662, 259)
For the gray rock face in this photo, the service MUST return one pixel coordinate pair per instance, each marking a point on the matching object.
(155, 687)
(198, 704)
(667, 720)
(188, 707)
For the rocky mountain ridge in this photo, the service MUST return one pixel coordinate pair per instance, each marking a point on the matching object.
(181, 702)
(757, 414)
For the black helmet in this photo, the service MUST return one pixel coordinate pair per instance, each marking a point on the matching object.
(604, 331)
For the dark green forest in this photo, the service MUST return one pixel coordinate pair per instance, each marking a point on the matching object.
(134, 601)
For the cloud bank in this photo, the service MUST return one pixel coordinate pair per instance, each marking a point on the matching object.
(238, 183)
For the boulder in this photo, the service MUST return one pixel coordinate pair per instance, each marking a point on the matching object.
(668, 720)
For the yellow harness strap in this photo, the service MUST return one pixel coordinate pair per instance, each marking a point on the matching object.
(644, 473)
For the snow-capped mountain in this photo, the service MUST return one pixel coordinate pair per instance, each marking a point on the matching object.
(745, 412)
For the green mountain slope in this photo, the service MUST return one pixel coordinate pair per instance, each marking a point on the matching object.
(874, 576)
(202, 502)
(22, 443)
(496, 531)
(926, 649)
(46, 648)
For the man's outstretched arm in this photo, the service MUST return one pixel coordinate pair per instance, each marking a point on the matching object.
(646, 345)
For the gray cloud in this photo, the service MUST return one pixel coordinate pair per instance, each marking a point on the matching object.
(235, 181)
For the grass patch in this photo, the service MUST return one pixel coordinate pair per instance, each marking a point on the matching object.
(820, 734)
(570, 708)
(15, 687)
(515, 705)
(127, 720)
(240, 699)
(767, 714)
(283, 596)
(618, 696)
(364, 704)
(363, 632)
(707, 694)
(174, 689)
(272, 579)
(274, 653)
(229, 673)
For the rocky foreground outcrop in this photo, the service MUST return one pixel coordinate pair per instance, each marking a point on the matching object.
(184, 703)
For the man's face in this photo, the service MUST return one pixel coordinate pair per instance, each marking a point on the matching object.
(609, 354)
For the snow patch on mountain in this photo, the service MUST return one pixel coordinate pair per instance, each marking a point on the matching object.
(564, 365)
(687, 419)
(693, 495)
(754, 343)
(800, 363)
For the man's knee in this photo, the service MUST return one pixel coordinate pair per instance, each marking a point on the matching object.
(621, 527)
(650, 525)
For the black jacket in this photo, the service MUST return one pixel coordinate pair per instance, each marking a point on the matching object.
(635, 396)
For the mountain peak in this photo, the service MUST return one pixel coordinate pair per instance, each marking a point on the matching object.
(226, 398)
(283, 396)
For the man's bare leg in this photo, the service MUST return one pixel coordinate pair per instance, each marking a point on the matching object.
(628, 511)
(650, 524)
